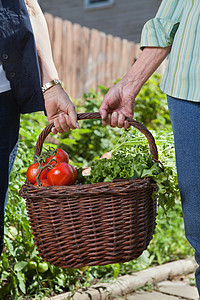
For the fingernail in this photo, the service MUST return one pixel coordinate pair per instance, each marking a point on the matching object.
(54, 131)
(103, 116)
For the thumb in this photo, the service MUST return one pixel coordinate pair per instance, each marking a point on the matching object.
(73, 116)
(103, 112)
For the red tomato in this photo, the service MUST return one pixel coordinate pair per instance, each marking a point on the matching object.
(60, 174)
(61, 156)
(44, 182)
(75, 174)
(33, 171)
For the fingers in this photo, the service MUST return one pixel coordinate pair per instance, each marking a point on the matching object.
(116, 120)
(126, 125)
(104, 115)
(121, 120)
(103, 112)
(60, 124)
(54, 131)
(114, 110)
(106, 119)
(72, 118)
(60, 110)
(64, 122)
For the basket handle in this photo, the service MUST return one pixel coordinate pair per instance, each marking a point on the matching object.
(96, 115)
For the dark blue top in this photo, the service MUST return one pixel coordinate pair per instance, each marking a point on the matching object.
(18, 55)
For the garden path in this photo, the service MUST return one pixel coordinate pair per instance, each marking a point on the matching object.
(171, 281)
(180, 287)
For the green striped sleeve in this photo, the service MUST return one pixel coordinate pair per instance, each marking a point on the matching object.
(160, 31)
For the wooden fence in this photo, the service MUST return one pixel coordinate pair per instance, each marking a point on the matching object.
(87, 58)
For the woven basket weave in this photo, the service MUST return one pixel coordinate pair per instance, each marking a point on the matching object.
(92, 224)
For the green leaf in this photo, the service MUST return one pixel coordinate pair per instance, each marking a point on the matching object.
(68, 142)
(34, 253)
(21, 280)
(5, 275)
(20, 265)
(10, 246)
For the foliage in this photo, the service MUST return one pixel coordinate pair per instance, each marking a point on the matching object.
(151, 105)
(131, 159)
(20, 274)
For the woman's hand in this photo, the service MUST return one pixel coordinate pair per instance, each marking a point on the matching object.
(60, 110)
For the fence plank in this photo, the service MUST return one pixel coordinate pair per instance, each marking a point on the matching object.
(101, 69)
(125, 57)
(87, 58)
(109, 59)
(57, 44)
(92, 59)
(117, 58)
(76, 60)
(85, 42)
(67, 63)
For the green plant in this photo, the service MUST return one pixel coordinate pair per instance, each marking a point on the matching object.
(151, 105)
(131, 159)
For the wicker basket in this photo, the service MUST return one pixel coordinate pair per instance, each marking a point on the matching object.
(93, 224)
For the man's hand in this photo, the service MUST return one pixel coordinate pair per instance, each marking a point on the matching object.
(60, 110)
(120, 100)
(117, 104)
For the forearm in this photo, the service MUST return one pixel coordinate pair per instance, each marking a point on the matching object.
(119, 102)
(43, 46)
(149, 60)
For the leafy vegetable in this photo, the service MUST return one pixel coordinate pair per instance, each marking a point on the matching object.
(131, 159)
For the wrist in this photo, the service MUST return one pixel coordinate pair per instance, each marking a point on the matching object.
(137, 75)
(146, 65)
(50, 84)
(53, 93)
(132, 83)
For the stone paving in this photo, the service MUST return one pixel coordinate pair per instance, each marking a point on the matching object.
(171, 281)
(178, 288)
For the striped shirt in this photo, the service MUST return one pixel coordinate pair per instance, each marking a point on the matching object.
(177, 23)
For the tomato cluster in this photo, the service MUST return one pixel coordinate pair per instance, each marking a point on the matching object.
(56, 171)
